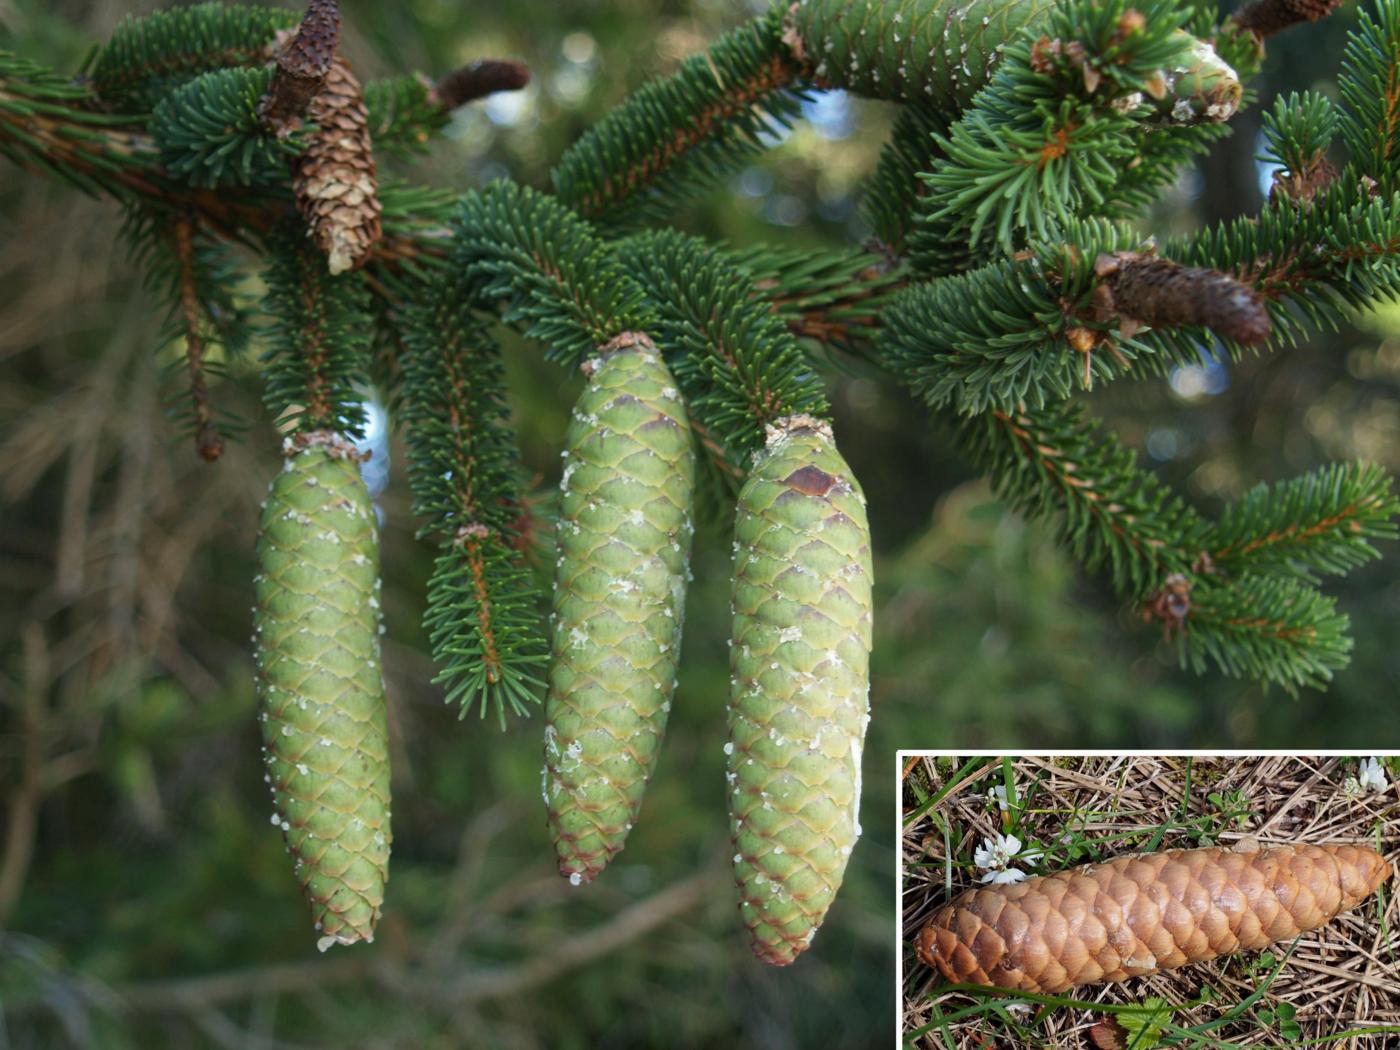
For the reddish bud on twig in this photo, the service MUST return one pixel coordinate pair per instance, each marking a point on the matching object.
(1267, 17)
(477, 80)
(302, 66)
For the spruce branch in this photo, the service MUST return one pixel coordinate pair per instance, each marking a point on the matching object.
(484, 625)
(737, 364)
(406, 111)
(1273, 627)
(1269, 628)
(301, 67)
(831, 297)
(317, 358)
(1321, 522)
(1015, 334)
(894, 189)
(1031, 328)
(149, 55)
(1311, 262)
(1113, 514)
(1369, 83)
(210, 133)
(483, 616)
(677, 135)
(559, 282)
(1298, 132)
(1050, 136)
(208, 441)
(402, 115)
(199, 277)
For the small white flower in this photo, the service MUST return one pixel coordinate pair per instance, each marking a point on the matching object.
(1351, 787)
(998, 796)
(1371, 776)
(1010, 875)
(995, 855)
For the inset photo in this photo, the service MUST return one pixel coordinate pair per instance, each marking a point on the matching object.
(1123, 902)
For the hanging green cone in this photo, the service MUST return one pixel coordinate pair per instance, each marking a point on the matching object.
(316, 633)
(619, 595)
(800, 680)
(931, 52)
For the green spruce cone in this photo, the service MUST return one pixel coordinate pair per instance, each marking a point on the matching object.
(800, 682)
(935, 52)
(325, 734)
(619, 597)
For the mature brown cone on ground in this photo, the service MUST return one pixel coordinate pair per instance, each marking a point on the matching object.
(334, 179)
(1139, 914)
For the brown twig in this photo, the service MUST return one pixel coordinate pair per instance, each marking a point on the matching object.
(29, 792)
(478, 79)
(208, 441)
(186, 994)
(302, 66)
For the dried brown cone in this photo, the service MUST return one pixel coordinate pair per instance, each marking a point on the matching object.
(1139, 914)
(1267, 17)
(1149, 290)
(302, 66)
(334, 178)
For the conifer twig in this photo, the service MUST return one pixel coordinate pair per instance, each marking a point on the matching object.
(208, 441)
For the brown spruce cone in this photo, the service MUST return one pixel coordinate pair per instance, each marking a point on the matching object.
(334, 179)
(1139, 914)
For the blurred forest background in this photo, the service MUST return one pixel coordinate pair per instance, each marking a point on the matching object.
(144, 900)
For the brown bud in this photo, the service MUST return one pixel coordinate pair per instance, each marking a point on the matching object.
(477, 80)
(1164, 293)
(1267, 17)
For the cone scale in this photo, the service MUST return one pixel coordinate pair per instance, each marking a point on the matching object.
(799, 686)
(320, 687)
(619, 594)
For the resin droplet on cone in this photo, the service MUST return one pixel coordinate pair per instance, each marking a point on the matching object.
(800, 682)
(619, 597)
(324, 726)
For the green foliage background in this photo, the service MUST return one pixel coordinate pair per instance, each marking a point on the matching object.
(125, 610)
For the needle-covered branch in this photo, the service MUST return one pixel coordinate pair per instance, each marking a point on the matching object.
(483, 615)
(1369, 83)
(150, 55)
(317, 359)
(1060, 125)
(737, 363)
(1322, 522)
(678, 134)
(1251, 612)
(559, 282)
